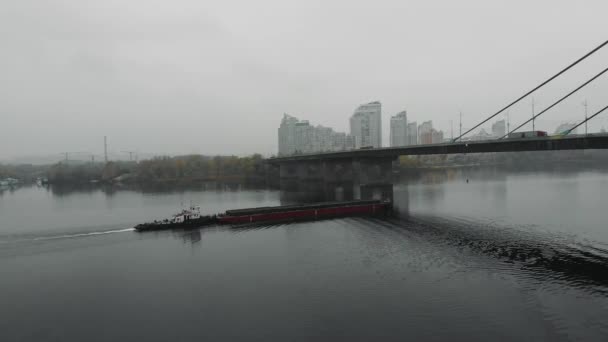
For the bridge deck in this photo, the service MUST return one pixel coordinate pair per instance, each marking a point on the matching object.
(552, 143)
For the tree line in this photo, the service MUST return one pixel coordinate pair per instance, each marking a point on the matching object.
(180, 169)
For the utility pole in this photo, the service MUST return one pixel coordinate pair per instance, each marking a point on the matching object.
(585, 104)
(508, 123)
(451, 130)
(105, 148)
(460, 134)
(66, 157)
(131, 153)
(533, 114)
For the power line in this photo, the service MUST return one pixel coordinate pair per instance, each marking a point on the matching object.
(536, 88)
(557, 102)
(584, 122)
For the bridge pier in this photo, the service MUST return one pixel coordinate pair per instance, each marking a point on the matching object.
(336, 179)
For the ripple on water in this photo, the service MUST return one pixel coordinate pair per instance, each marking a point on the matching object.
(532, 255)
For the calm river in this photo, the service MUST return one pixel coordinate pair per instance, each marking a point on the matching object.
(500, 257)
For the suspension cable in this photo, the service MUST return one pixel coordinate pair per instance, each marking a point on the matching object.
(589, 118)
(535, 89)
(555, 103)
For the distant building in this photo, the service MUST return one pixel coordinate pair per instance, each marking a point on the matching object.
(287, 135)
(341, 142)
(436, 136)
(350, 142)
(299, 136)
(337, 141)
(366, 125)
(499, 129)
(565, 127)
(425, 132)
(412, 133)
(304, 137)
(398, 135)
(322, 138)
(481, 135)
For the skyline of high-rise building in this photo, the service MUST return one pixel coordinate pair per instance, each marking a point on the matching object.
(366, 125)
(299, 136)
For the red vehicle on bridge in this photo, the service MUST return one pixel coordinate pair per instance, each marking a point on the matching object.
(527, 134)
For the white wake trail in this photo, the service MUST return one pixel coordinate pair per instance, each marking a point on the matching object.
(68, 236)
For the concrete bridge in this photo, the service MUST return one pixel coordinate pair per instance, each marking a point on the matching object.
(367, 173)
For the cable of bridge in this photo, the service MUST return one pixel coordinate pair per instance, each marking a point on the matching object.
(535, 89)
(555, 103)
(589, 118)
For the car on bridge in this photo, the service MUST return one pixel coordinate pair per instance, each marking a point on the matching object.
(527, 134)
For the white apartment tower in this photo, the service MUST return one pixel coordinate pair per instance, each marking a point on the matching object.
(425, 131)
(287, 135)
(499, 129)
(398, 135)
(412, 133)
(366, 125)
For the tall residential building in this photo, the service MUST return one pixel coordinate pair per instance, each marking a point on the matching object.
(399, 129)
(366, 125)
(304, 137)
(287, 135)
(436, 136)
(299, 136)
(499, 129)
(412, 133)
(425, 132)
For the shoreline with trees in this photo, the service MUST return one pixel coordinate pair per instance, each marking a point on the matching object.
(253, 171)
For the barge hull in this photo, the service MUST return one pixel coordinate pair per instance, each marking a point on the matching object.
(309, 213)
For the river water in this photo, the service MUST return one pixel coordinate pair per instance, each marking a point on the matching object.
(500, 257)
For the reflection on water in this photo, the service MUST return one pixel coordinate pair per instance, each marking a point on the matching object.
(149, 188)
(500, 257)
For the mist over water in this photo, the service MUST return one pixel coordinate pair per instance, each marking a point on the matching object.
(519, 256)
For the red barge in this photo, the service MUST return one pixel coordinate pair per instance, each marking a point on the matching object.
(317, 211)
(188, 219)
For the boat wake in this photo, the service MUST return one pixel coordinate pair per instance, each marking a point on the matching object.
(70, 236)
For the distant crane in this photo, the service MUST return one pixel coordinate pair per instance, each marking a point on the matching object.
(131, 153)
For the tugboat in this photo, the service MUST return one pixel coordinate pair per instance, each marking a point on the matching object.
(187, 218)
(192, 218)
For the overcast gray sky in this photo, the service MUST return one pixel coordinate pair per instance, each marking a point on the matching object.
(215, 77)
